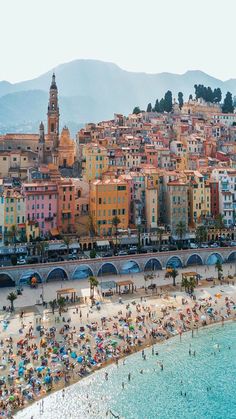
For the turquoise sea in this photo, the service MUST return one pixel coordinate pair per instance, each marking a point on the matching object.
(208, 379)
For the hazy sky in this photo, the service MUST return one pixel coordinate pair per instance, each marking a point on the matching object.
(139, 35)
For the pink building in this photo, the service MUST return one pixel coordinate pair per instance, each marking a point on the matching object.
(41, 204)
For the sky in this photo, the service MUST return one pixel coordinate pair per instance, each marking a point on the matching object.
(139, 35)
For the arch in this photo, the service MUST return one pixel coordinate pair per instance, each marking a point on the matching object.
(82, 272)
(232, 257)
(130, 267)
(194, 259)
(28, 275)
(174, 262)
(213, 258)
(107, 268)
(6, 280)
(57, 274)
(153, 264)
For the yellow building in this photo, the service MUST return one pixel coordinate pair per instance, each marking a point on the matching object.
(199, 197)
(66, 149)
(14, 212)
(109, 198)
(96, 161)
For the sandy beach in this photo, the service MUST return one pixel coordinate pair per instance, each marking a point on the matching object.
(41, 354)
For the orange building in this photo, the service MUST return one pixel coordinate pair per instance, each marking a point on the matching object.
(108, 199)
(66, 206)
(66, 149)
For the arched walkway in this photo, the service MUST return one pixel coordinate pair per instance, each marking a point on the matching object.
(28, 275)
(213, 258)
(57, 274)
(6, 281)
(107, 269)
(130, 267)
(153, 265)
(82, 272)
(232, 257)
(174, 262)
(194, 260)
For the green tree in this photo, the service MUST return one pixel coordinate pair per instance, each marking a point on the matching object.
(157, 106)
(93, 282)
(53, 305)
(228, 106)
(190, 97)
(115, 222)
(180, 99)
(92, 253)
(136, 110)
(217, 95)
(219, 269)
(162, 105)
(12, 297)
(188, 283)
(201, 234)
(180, 231)
(168, 104)
(149, 107)
(61, 304)
(219, 223)
(67, 241)
(173, 273)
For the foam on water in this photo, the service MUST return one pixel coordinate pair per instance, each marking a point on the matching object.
(156, 393)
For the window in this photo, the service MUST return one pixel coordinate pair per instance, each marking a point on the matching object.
(4, 158)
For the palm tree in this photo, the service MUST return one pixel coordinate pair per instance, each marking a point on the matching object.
(12, 234)
(173, 273)
(61, 303)
(219, 269)
(148, 277)
(201, 234)
(180, 230)
(219, 223)
(67, 241)
(93, 282)
(188, 284)
(115, 223)
(12, 297)
(53, 304)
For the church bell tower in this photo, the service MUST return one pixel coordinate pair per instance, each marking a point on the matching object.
(53, 114)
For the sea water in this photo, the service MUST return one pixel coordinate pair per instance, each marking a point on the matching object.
(196, 387)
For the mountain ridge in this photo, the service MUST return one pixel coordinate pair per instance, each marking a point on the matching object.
(93, 90)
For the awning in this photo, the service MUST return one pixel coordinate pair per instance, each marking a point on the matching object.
(54, 232)
(102, 243)
(128, 240)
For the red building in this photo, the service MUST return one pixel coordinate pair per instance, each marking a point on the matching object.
(214, 188)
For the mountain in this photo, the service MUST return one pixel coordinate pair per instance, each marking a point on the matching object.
(91, 90)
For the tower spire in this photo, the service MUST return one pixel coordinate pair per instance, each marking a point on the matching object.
(53, 114)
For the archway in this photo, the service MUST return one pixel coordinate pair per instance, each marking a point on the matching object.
(28, 275)
(130, 267)
(194, 260)
(213, 258)
(107, 269)
(57, 274)
(6, 281)
(82, 272)
(232, 257)
(153, 265)
(174, 262)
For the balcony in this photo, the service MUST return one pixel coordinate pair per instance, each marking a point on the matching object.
(48, 218)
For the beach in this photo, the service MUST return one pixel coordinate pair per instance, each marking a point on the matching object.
(40, 355)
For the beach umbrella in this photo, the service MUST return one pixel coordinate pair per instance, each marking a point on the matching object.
(12, 398)
(73, 355)
(203, 318)
(80, 359)
(65, 356)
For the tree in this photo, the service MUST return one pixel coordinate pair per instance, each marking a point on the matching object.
(148, 277)
(201, 234)
(53, 304)
(12, 297)
(217, 95)
(136, 110)
(157, 106)
(67, 241)
(188, 283)
(180, 230)
(92, 253)
(219, 223)
(180, 99)
(173, 273)
(162, 105)
(228, 106)
(190, 97)
(219, 269)
(93, 282)
(168, 105)
(61, 304)
(149, 107)
(115, 222)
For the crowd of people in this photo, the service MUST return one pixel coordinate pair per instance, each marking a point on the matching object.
(43, 356)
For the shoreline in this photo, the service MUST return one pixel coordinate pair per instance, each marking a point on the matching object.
(107, 363)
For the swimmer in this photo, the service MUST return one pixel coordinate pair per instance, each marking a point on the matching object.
(106, 376)
(141, 371)
(63, 393)
(129, 376)
(123, 385)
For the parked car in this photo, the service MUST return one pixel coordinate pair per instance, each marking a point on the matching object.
(122, 253)
(193, 246)
(72, 257)
(204, 245)
(21, 261)
(143, 250)
(233, 243)
(108, 255)
(172, 247)
(164, 248)
(213, 245)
